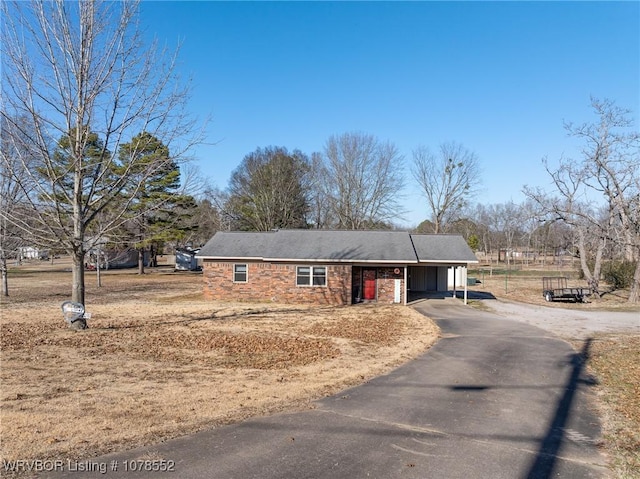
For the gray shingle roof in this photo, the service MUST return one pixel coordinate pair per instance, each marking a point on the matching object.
(338, 246)
(381, 246)
(236, 245)
(442, 248)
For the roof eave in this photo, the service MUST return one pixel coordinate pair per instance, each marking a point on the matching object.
(449, 261)
(340, 260)
(229, 258)
(306, 260)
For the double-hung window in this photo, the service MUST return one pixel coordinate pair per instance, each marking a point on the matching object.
(311, 276)
(239, 273)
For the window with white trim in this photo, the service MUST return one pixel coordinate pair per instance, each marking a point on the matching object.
(311, 276)
(240, 273)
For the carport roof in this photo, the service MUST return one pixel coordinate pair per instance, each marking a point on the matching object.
(442, 249)
(338, 246)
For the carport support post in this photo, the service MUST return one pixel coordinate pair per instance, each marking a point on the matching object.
(406, 288)
(466, 284)
(455, 280)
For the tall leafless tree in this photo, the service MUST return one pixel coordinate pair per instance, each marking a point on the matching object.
(320, 212)
(362, 180)
(78, 70)
(600, 194)
(611, 156)
(571, 207)
(449, 180)
(509, 222)
(13, 188)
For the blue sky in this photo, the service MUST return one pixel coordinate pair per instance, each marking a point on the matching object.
(498, 77)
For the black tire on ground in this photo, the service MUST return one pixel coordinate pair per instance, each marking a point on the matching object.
(548, 296)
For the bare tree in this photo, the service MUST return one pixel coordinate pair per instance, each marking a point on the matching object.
(529, 224)
(572, 208)
(449, 180)
(81, 73)
(13, 188)
(208, 218)
(482, 215)
(600, 195)
(507, 224)
(362, 180)
(319, 208)
(611, 159)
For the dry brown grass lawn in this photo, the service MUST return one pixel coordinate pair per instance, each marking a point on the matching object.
(158, 361)
(615, 361)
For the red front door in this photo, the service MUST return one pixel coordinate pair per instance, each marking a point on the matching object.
(369, 280)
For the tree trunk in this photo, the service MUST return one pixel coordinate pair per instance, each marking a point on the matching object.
(597, 267)
(634, 296)
(5, 278)
(140, 260)
(77, 291)
(98, 277)
(153, 256)
(591, 279)
(77, 269)
(436, 225)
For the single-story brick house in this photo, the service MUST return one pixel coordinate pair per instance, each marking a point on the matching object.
(332, 267)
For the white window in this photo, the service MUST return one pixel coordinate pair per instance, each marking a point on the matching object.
(239, 273)
(311, 276)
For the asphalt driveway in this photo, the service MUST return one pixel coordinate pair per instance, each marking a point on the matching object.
(494, 398)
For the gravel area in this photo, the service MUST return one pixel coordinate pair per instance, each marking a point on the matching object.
(568, 323)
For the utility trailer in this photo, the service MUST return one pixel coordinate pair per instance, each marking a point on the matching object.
(555, 288)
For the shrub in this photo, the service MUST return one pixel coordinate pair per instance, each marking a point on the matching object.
(474, 243)
(619, 274)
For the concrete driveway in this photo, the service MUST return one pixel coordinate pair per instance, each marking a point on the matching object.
(494, 398)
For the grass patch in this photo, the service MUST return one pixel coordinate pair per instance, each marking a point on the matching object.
(615, 360)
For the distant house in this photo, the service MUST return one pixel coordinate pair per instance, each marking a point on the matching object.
(31, 252)
(113, 258)
(186, 259)
(331, 267)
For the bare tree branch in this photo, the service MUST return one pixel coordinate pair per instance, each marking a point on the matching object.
(362, 180)
(449, 180)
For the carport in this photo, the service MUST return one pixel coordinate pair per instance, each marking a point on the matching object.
(436, 280)
(443, 261)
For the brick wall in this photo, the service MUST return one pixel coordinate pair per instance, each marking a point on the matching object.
(275, 282)
(386, 284)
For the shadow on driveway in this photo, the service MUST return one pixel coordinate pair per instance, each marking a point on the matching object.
(551, 445)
